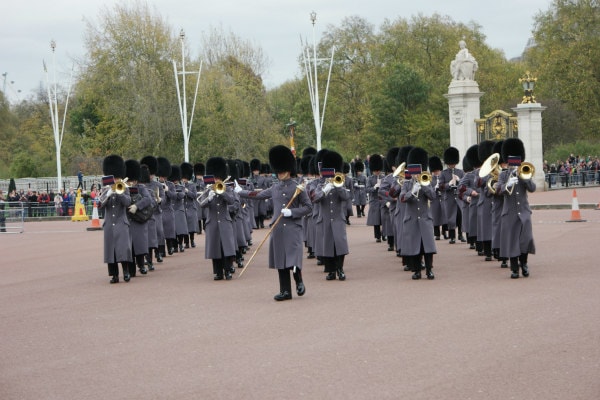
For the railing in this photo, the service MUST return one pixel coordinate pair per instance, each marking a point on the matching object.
(580, 179)
(35, 210)
(12, 218)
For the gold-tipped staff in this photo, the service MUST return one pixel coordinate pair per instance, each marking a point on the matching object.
(299, 189)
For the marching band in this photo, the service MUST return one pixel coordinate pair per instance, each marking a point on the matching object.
(154, 209)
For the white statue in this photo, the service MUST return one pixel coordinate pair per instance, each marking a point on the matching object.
(464, 65)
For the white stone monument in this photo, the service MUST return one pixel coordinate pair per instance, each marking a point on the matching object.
(463, 100)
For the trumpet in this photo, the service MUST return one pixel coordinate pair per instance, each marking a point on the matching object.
(218, 187)
(120, 186)
(424, 178)
(338, 180)
(524, 171)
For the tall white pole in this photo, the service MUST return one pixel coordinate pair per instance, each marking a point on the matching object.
(316, 104)
(181, 97)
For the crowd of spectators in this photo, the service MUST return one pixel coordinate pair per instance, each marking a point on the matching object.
(575, 170)
(46, 204)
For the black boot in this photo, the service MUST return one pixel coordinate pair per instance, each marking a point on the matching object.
(390, 241)
(452, 235)
(217, 270)
(149, 260)
(126, 276)
(429, 266)
(487, 250)
(514, 267)
(285, 285)
(415, 262)
(115, 279)
(141, 264)
(159, 257)
(436, 233)
(192, 242)
(300, 289)
(523, 263)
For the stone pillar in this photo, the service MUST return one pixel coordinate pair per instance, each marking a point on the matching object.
(463, 101)
(529, 118)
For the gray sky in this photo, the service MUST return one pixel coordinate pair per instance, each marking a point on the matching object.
(27, 26)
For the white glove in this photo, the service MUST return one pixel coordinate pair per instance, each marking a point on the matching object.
(377, 185)
(361, 186)
(388, 204)
(286, 212)
(237, 188)
(108, 191)
(186, 190)
(211, 194)
(511, 181)
(159, 200)
(415, 189)
(166, 188)
(327, 188)
(132, 209)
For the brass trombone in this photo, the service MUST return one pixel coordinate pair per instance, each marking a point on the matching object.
(120, 186)
(524, 171)
(424, 178)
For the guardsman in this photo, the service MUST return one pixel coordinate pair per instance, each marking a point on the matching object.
(388, 203)
(285, 241)
(417, 236)
(497, 205)
(189, 203)
(469, 190)
(360, 188)
(168, 213)
(398, 217)
(330, 226)
(220, 245)
(437, 205)
(138, 229)
(181, 228)
(199, 175)
(117, 242)
(516, 237)
(155, 223)
(373, 184)
(448, 185)
(484, 205)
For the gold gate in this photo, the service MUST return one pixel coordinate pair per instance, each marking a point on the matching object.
(497, 125)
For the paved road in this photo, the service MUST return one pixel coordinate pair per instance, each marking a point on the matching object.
(472, 333)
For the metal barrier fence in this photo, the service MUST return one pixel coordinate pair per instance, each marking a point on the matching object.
(48, 184)
(12, 218)
(562, 181)
(34, 210)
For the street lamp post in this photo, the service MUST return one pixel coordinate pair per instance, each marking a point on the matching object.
(528, 83)
(53, 103)
(310, 68)
(181, 97)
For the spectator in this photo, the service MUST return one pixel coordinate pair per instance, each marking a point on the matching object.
(43, 201)
(58, 204)
(80, 180)
(2, 212)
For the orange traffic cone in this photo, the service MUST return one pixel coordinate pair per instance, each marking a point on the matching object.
(575, 213)
(95, 220)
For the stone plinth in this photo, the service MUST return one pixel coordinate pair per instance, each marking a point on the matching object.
(529, 118)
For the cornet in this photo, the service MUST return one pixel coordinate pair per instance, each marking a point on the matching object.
(338, 180)
(399, 173)
(491, 167)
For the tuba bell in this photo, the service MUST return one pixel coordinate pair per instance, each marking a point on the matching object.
(491, 167)
(399, 173)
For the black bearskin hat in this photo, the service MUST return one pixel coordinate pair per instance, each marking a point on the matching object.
(485, 150)
(359, 166)
(199, 169)
(513, 147)
(498, 149)
(309, 151)
(333, 159)
(151, 162)
(403, 154)
(317, 158)
(282, 159)
(435, 164)
(312, 166)
(451, 156)
(132, 170)
(467, 167)
(217, 166)
(376, 162)
(164, 167)
(473, 156)
(175, 173)
(305, 164)
(265, 169)
(255, 164)
(114, 165)
(144, 174)
(245, 169)
(297, 167)
(346, 168)
(233, 169)
(418, 155)
(187, 171)
(392, 156)
(386, 166)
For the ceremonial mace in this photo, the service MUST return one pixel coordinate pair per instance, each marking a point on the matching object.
(299, 189)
